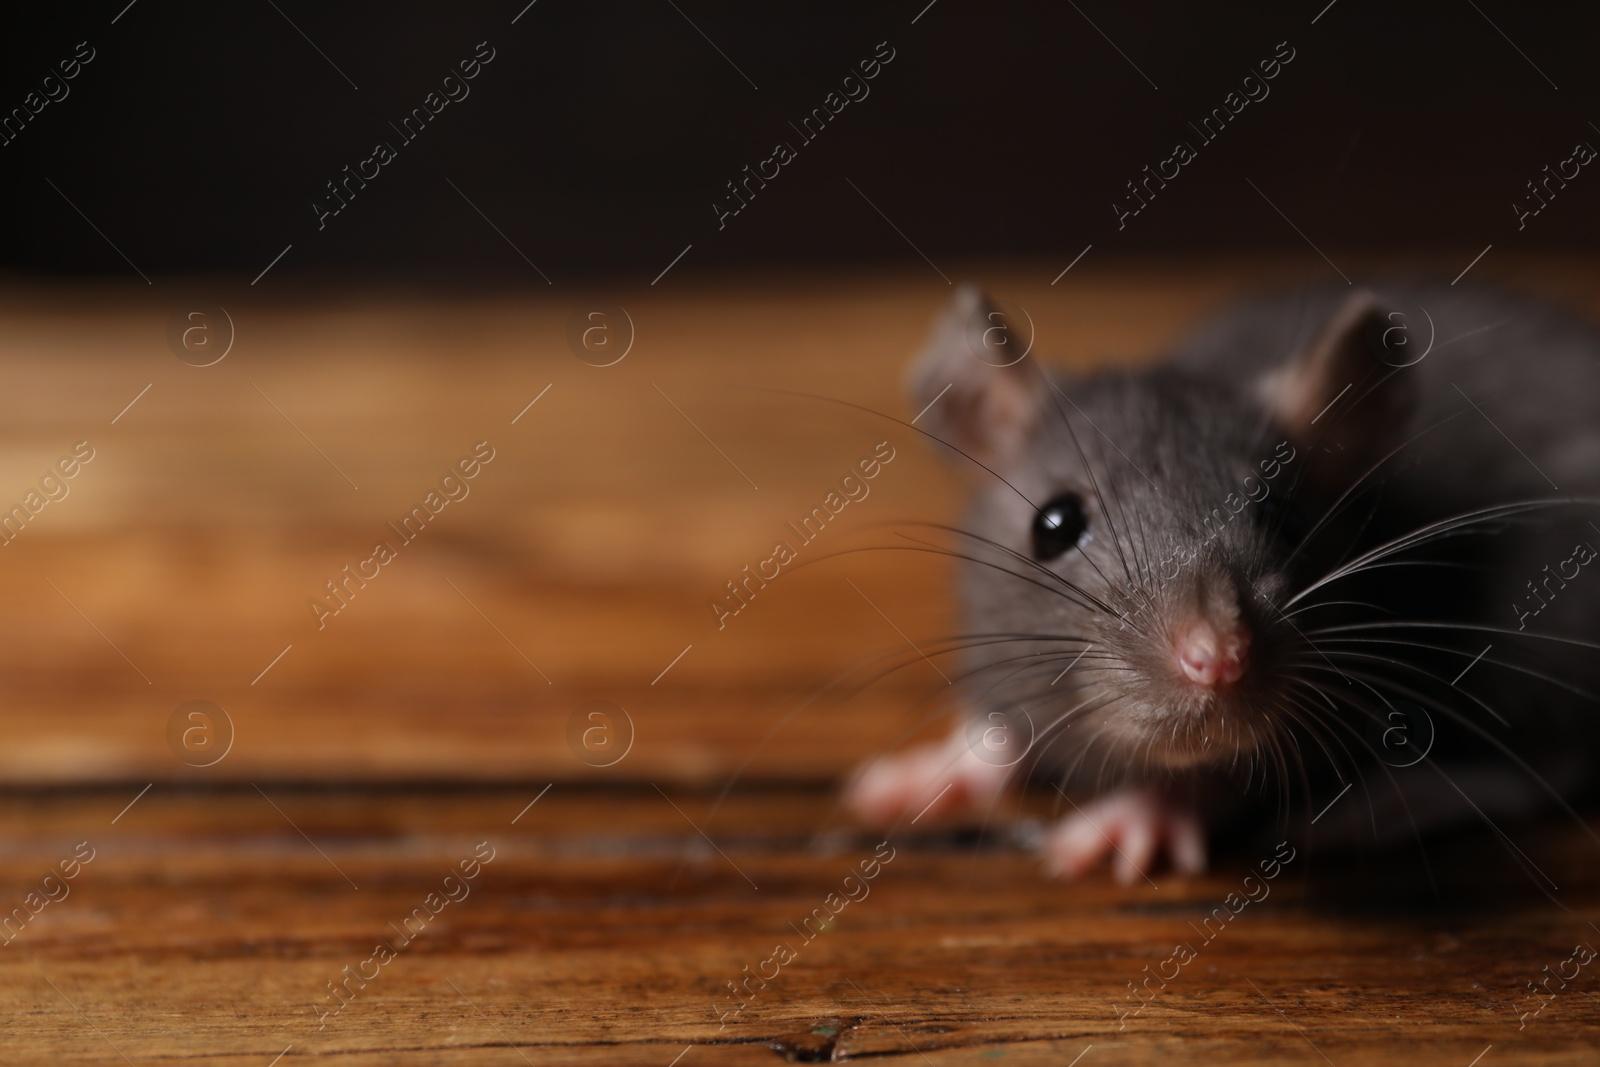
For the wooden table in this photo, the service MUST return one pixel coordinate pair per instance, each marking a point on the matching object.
(372, 756)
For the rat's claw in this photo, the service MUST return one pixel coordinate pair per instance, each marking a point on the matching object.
(929, 782)
(1136, 828)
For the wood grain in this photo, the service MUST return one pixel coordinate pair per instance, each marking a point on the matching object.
(582, 563)
(606, 929)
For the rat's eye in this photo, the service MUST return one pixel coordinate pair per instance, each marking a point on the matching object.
(1059, 526)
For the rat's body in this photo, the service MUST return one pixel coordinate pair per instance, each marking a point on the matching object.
(1215, 668)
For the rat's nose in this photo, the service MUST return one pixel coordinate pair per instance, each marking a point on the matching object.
(1211, 656)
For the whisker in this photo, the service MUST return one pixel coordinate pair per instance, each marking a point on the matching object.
(1350, 654)
(949, 553)
(1314, 605)
(1466, 655)
(901, 422)
(1368, 473)
(1399, 792)
(1438, 625)
(1098, 602)
(841, 686)
(1482, 734)
(1432, 531)
(1524, 861)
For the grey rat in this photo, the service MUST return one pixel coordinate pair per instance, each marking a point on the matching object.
(1335, 539)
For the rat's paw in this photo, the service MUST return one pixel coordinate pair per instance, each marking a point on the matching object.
(1135, 828)
(903, 785)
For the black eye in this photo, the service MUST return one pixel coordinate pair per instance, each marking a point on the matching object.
(1059, 526)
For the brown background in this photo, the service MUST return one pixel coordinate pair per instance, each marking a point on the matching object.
(594, 541)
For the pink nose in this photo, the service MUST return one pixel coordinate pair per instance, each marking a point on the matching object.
(1209, 657)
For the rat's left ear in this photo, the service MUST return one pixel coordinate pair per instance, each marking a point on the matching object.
(1340, 395)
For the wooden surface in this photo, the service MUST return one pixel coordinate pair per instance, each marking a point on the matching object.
(374, 754)
(587, 553)
(604, 930)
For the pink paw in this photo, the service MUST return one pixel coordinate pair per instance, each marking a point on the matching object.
(927, 782)
(1135, 828)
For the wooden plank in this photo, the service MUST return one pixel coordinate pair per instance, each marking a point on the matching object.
(207, 926)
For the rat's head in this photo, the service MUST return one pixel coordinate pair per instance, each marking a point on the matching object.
(1146, 529)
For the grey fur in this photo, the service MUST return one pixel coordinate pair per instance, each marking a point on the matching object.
(1506, 402)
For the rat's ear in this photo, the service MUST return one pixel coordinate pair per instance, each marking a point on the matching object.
(969, 386)
(1341, 395)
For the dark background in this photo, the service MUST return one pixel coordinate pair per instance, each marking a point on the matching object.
(602, 132)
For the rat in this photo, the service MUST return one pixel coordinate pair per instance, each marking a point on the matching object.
(1336, 548)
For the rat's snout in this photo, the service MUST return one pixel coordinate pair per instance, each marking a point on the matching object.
(1211, 652)
(1197, 674)
(1210, 639)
